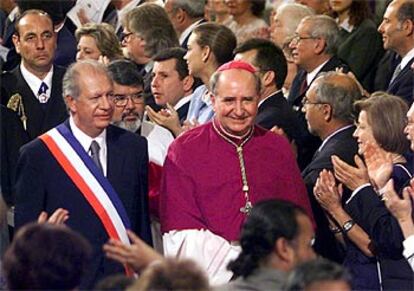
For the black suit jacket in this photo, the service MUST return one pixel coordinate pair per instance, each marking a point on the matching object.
(185, 42)
(369, 212)
(182, 111)
(295, 97)
(41, 184)
(344, 146)
(13, 137)
(39, 120)
(307, 143)
(275, 110)
(403, 84)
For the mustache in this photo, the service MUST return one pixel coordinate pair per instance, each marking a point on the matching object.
(131, 113)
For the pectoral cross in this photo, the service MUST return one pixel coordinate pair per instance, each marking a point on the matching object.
(246, 209)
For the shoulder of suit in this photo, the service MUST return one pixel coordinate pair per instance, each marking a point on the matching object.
(124, 136)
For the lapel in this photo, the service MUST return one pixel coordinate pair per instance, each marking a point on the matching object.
(404, 72)
(182, 111)
(294, 94)
(34, 112)
(115, 156)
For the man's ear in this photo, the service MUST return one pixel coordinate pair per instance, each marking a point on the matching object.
(16, 42)
(320, 46)
(327, 111)
(70, 103)
(408, 27)
(269, 78)
(188, 82)
(284, 250)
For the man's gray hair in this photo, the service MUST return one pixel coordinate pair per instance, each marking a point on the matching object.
(194, 8)
(214, 80)
(70, 83)
(296, 13)
(341, 96)
(323, 26)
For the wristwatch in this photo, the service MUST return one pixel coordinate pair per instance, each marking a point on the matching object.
(348, 225)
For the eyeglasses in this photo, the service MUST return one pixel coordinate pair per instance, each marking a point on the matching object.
(305, 101)
(297, 38)
(122, 100)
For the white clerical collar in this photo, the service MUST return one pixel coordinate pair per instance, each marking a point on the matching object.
(182, 101)
(407, 58)
(188, 31)
(270, 95)
(85, 141)
(124, 10)
(333, 134)
(310, 76)
(345, 25)
(34, 82)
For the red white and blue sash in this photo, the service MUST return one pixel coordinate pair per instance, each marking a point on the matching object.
(90, 181)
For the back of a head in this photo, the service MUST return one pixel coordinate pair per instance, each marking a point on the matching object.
(172, 274)
(46, 256)
(152, 23)
(220, 39)
(269, 57)
(125, 73)
(268, 221)
(341, 92)
(318, 271)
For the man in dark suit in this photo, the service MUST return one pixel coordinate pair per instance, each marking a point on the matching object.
(328, 108)
(115, 159)
(397, 31)
(314, 48)
(34, 89)
(185, 15)
(13, 136)
(172, 87)
(271, 63)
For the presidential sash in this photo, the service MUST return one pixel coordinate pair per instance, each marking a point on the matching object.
(90, 181)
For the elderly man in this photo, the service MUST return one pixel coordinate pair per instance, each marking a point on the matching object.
(397, 29)
(128, 95)
(214, 173)
(285, 21)
(34, 88)
(185, 15)
(314, 48)
(98, 172)
(328, 108)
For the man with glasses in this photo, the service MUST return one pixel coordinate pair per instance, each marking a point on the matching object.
(96, 171)
(328, 108)
(313, 50)
(128, 95)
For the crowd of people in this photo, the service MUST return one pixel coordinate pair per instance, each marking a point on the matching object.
(207, 145)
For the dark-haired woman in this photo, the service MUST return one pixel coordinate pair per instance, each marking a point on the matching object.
(360, 44)
(276, 237)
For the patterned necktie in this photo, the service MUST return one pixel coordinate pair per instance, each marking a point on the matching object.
(42, 93)
(94, 149)
(396, 73)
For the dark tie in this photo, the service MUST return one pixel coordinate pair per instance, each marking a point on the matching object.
(42, 93)
(303, 86)
(396, 73)
(94, 149)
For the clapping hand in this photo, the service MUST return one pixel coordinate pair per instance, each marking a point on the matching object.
(327, 193)
(351, 177)
(379, 165)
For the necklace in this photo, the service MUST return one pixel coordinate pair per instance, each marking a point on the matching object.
(239, 149)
